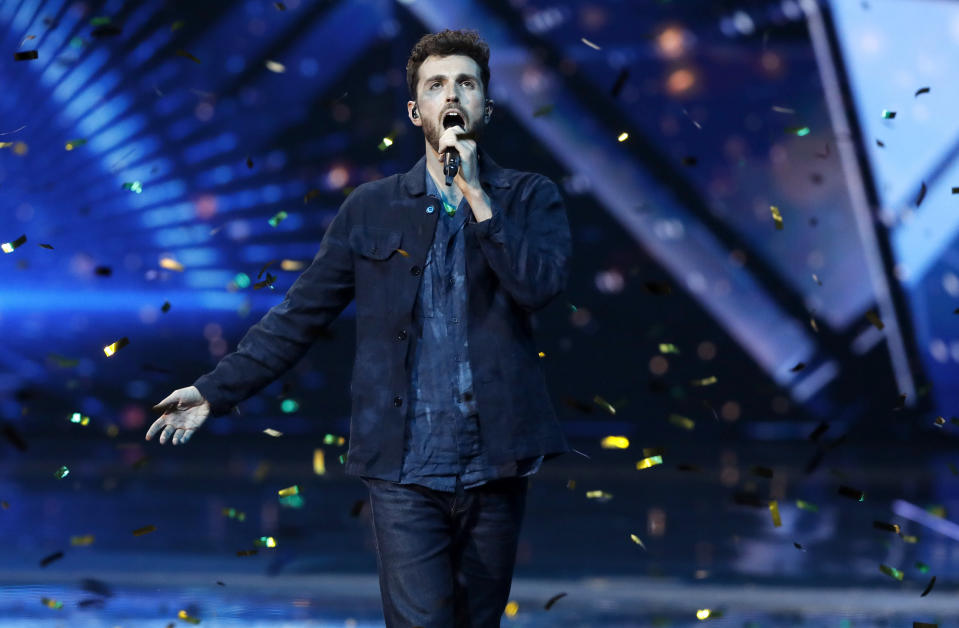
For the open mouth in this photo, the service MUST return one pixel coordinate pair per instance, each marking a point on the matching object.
(453, 118)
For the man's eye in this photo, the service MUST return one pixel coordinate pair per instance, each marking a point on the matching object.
(467, 82)
(434, 85)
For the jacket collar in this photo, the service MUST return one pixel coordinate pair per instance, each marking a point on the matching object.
(490, 172)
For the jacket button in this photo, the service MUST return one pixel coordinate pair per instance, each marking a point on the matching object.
(400, 337)
(416, 271)
(397, 401)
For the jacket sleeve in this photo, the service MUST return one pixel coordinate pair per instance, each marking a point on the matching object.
(285, 333)
(532, 263)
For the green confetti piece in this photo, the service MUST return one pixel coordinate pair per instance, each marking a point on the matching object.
(265, 541)
(62, 472)
(921, 566)
(100, 21)
(802, 505)
(680, 421)
(289, 406)
(801, 131)
(133, 186)
(292, 501)
(277, 219)
(888, 115)
(892, 572)
(667, 348)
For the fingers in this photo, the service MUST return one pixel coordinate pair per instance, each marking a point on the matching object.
(169, 403)
(166, 433)
(178, 436)
(156, 427)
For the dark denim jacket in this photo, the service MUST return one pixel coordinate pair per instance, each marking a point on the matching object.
(443, 428)
(374, 251)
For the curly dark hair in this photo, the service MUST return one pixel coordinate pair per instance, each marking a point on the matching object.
(443, 44)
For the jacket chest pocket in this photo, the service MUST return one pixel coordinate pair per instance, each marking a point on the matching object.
(375, 243)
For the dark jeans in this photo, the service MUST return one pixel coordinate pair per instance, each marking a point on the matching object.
(446, 559)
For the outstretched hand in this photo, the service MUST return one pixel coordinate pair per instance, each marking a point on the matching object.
(184, 410)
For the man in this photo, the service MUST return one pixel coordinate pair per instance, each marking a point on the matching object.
(450, 408)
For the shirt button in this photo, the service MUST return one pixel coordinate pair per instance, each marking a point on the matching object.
(401, 336)
(397, 401)
(415, 271)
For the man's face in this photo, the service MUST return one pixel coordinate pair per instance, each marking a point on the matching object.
(445, 83)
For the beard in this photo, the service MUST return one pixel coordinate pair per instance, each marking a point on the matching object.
(433, 131)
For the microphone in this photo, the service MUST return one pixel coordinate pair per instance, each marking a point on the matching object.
(452, 163)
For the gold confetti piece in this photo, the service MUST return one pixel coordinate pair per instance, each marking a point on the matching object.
(272, 432)
(604, 404)
(707, 613)
(681, 421)
(171, 264)
(705, 381)
(265, 541)
(116, 346)
(82, 541)
(26, 55)
(777, 217)
(571, 484)
(184, 53)
(275, 66)
(61, 473)
(74, 143)
(79, 418)
(873, 317)
(541, 354)
(292, 264)
(812, 323)
(892, 572)
(144, 530)
(319, 463)
(940, 421)
(292, 490)
(648, 462)
(667, 348)
(49, 603)
(598, 495)
(774, 511)
(186, 617)
(402, 252)
(511, 609)
(589, 43)
(614, 442)
(888, 115)
(637, 540)
(9, 247)
(277, 219)
(623, 137)
(807, 506)
(552, 601)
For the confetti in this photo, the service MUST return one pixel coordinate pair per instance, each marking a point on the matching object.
(928, 588)
(269, 281)
(777, 217)
(14, 437)
(667, 348)
(310, 195)
(623, 136)
(614, 442)
(808, 506)
(166, 307)
(9, 247)
(604, 404)
(852, 493)
(292, 264)
(103, 271)
(144, 530)
(133, 186)
(247, 552)
(621, 79)
(184, 53)
(330, 439)
(892, 572)
(51, 558)
(292, 490)
(798, 546)
(601, 495)
(658, 288)
(819, 431)
(277, 219)
(76, 417)
(800, 131)
(319, 462)
(888, 527)
(922, 194)
(589, 43)
(275, 66)
(706, 381)
(922, 624)
(405, 254)
(110, 349)
(681, 421)
(799, 366)
(707, 613)
(783, 109)
(816, 279)
(82, 541)
(187, 618)
(233, 513)
(774, 511)
(921, 566)
(26, 55)
(74, 143)
(552, 600)
(922, 90)
(265, 541)
(648, 462)
(51, 603)
(272, 432)
(635, 539)
(888, 115)
(873, 317)
(171, 264)
(61, 473)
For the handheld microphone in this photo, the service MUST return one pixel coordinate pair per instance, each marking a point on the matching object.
(451, 164)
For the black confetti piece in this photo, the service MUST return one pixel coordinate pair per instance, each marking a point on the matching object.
(357, 508)
(922, 90)
(106, 30)
(928, 588)
(886, 527)
(851, 493)
(880, 144)
(799, 366)
(552, 601)
(103, 271)
(819, 431)
(14, 437)
(657, 287)
(922, 194)
(166, 307)
(51, 558)
(26, 55)
(798, 546)
(621, 79)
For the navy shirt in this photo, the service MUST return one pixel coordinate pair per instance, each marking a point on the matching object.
(442, 442)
